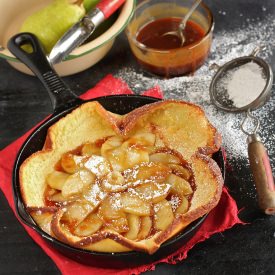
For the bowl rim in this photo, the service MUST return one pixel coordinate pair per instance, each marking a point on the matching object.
(189, 46)
(119, 25)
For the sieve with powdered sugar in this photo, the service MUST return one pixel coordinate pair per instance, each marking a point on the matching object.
(244, 84)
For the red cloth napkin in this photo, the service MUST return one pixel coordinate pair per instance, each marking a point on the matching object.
(224, 216)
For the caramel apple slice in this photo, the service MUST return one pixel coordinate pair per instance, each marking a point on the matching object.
(89, 149)
(145, 227)
(151, 192)
(57, 197)
(94, 194)
(137, 148)
(56, 179)
(180, 171)
(126, 157)
(88, 226)
(116, 157)
(87, 177)
(134, 156)
(43, 219)
(97, 165)
(146, 172)
(148, 139)
(134, 226)
(109, 145)
(112, 215)
(113, 182)
(76, 212)
(110, 208)
(183, 206)
(73, 186)
(164, 158)
(145, 139)
(126, 154)
(71, 163)
(141, 141)
(179, 185)
(163, 215)
(134, 205)
(119, 225)
(76, 183)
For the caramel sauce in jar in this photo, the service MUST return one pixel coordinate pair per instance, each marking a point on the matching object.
(164, 55)
(152, 34)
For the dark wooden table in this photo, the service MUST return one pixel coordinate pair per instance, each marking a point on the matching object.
(248, 249)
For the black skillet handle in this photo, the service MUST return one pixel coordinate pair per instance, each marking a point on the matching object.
(34, 57)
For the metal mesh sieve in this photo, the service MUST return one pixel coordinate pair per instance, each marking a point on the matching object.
(258, 158)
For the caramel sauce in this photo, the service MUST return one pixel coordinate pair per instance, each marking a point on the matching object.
(70, 225)
(165, 55)
(58, 166)
(76, 151)
(152, 34)
(48, 201)
(99, 142)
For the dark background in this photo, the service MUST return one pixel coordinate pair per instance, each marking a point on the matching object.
(248, 249)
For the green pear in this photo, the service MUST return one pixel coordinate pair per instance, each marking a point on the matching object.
(89, 4)
(51, 22)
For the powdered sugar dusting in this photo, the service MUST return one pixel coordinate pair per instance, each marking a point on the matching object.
(226, 46)
(175, 202)
(241, 85)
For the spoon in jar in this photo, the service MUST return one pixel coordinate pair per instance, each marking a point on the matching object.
(181, 27)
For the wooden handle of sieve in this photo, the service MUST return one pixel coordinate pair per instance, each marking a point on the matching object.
(262, 173)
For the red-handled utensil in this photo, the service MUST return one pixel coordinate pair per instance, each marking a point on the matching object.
(108, 7)
(80, 31)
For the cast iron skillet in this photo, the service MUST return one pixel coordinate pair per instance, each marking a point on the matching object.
(64, 101)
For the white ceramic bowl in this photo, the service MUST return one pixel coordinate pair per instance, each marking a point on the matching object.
(13, 13)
